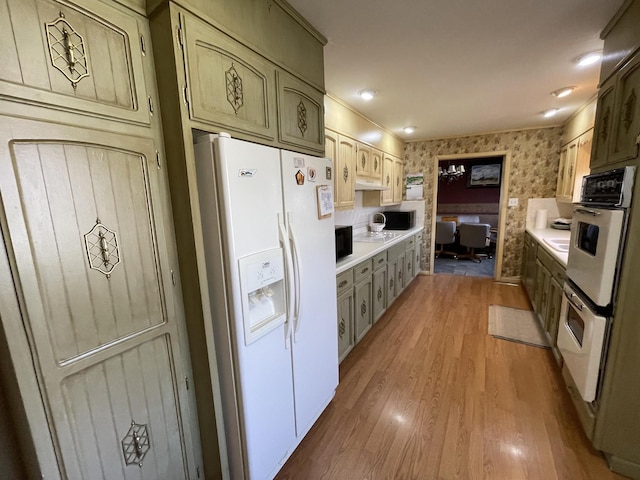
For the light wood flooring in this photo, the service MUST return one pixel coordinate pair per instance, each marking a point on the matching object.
(428, 394)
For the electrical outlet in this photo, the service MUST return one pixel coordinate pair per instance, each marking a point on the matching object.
(513, 202)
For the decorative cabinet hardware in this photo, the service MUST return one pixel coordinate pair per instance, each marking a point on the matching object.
(102, 248)
(363, 161)
(67, 50)
(629, 109)
(136, 444)
(235, 94)
(604, 126)
(302, 117)
(342, 284)
(388, 180)
(364, 270)
(345, 173)
(363, 309)
(341, 327)
(391, 284)
(379, 293)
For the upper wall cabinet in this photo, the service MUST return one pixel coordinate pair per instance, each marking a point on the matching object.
(58, 55)
(617, 127)
(604, 120)
(574, 165)
(300, 113)
(626, 133)
(228, 86)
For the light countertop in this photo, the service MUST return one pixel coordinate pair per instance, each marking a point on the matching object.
(549, 233)
(363, 251)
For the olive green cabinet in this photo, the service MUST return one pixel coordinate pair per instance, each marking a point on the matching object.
(617, 125)
(379, 286)
(84, 60)
(300, 114)
(529, 264)
(543, 277)
(345, 313)
(363, 298)
(626, 127)
(227, 85)
(368, 289)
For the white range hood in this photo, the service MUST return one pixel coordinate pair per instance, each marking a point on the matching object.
(369, 185)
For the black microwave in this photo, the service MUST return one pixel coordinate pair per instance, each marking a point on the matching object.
(400, 220)
(344, 241)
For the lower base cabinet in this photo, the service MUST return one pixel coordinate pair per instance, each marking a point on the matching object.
(367, 290)
(345, 314)
(362, 306)
(543, 280)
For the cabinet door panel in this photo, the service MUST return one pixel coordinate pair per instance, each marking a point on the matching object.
(362, 309)
(376, 164)
(331, 152)
(345, 324)
(626, 134)
(87, 62)
(379, 293)
(603, 124)
(387, 180)
(300, 114)
(87, 226)
(345, 175)
(229, 86)
(363, 161)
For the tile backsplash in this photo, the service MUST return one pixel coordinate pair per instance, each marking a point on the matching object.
(360, 216)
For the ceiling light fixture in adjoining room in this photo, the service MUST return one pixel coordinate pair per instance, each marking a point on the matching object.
(550, 113)
(563, 92)
(367, 94)
(409, 129)
(589, 58)
(451, 173)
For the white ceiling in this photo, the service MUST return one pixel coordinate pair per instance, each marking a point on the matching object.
(459, 67)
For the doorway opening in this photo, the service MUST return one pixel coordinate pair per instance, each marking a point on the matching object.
(470, 190)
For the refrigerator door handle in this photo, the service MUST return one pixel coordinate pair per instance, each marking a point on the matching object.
(298, 276)
(284, 239)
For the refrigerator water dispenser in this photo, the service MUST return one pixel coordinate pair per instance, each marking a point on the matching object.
(263, 293)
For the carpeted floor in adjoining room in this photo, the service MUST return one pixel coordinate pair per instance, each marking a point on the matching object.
(464, 266)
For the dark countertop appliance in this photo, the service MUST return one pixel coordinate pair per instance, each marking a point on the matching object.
(344, 241)
(400, 220)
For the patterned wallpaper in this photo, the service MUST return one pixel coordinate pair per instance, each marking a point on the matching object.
(535, 155)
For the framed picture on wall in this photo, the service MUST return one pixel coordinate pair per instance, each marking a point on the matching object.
(484, 175)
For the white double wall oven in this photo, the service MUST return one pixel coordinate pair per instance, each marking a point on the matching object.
(595, 253)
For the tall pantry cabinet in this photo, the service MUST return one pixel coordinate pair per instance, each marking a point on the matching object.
(94, 358)
(614, 423)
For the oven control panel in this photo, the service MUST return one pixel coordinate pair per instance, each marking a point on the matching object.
(609, 189)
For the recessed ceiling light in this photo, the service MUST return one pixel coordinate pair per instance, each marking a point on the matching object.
(409, 129)
(563, 92)
(367, 94)
(589, 58)
(551, 113)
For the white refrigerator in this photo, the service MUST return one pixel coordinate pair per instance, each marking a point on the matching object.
(270, 254)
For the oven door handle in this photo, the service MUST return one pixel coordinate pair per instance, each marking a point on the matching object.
(570, 297)
(594, 213)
